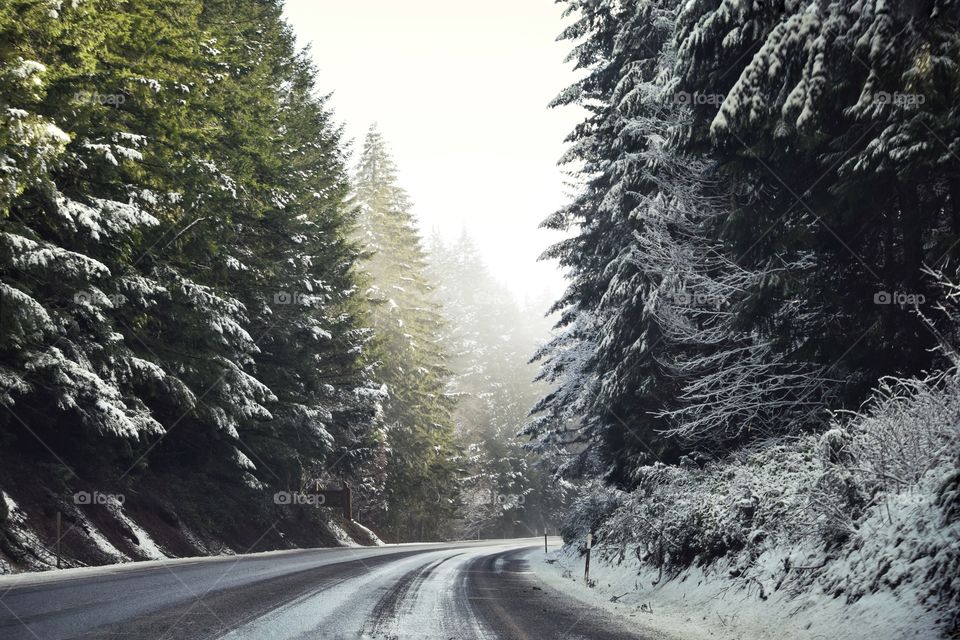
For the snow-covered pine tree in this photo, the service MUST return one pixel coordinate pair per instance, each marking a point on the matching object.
(608, 353)
(286, 255)
(75, 209)
(167, 171)
(736, 385)
(829, 198)
(423, 465)
(837, 120)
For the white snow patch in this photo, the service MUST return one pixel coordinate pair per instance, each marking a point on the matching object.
(18, 530)
(699, 604)
(342, 536)
(376, 540)
(99, 540)
(147, 546)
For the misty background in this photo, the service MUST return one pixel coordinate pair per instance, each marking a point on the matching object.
(460, 93)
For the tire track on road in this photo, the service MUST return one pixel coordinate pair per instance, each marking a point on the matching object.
(506, 596)
(211, 615)
(388, 611)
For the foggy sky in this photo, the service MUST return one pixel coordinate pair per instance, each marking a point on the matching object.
(460, 91)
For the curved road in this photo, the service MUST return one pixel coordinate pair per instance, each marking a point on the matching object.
(463, 591)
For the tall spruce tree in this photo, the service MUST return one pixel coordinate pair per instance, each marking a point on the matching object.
(837, 119)
(423, 464)
(799, 196)
(606, 361)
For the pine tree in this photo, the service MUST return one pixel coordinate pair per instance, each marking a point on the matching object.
(423, 463)
(797, 194)
(837, 119)
(606, 359)
(170, 180)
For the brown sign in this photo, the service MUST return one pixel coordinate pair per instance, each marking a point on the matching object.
(338, 498)
(332, 497)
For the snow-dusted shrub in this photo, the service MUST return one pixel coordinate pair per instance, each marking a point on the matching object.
(910, 428)
(594, 505)
(688, 515)
(895, 465)
(907, 542)
(906, 430)
(871, 505)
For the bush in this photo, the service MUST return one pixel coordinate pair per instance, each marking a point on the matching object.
(594, 505)
(875, 500)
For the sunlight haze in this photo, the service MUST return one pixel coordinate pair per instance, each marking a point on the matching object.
(460, 92)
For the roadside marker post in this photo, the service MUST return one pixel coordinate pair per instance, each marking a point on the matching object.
(59, 535)
(545, 541)
(586, 568)
(347, 500)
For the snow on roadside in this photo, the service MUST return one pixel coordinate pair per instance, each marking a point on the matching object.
(702, 604)
(343, 538)
(98, 539)
(38, 557)
(19, 531)
(853, 533)
(377, 542)
(145, 543)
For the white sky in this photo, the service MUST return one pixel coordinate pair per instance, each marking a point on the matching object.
(460, 91)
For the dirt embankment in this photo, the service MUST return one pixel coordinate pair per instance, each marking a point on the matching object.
(153, 516)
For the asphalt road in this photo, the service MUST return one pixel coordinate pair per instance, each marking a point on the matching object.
(461, 591)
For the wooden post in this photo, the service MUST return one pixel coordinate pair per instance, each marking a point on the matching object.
(347, 501)
(586, 568)
(544, 540)
(59, 535)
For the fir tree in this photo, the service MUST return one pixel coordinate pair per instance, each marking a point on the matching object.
(423, 463)
(170, 180)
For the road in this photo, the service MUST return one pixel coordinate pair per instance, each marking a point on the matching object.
(463, 591)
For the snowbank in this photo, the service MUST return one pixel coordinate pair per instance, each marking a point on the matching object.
(851, 534)
(706, 603)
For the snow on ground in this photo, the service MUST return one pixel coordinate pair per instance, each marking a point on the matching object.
(204, 546)
(420, 597)
(853, 533)
(98, 539)
(41, 557)
(150, 549)
(706, 604)
(373, 537)
(18, 530)
(343, 538)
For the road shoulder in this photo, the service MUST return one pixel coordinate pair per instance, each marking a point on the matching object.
(617, 594)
